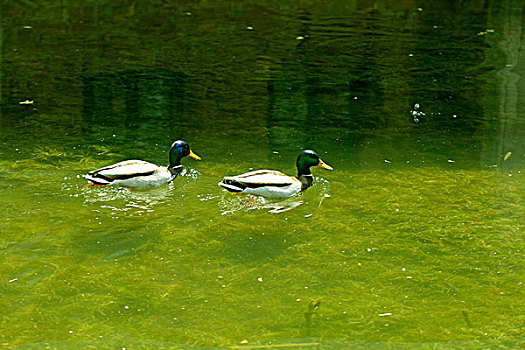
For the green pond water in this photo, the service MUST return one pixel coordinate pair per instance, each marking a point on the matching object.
(414, 240)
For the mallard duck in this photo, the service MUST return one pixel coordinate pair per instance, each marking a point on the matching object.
(139, 174)
(274, 184)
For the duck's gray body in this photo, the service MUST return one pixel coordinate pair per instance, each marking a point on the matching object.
(274, 184)
(142, 175)
(132, 173)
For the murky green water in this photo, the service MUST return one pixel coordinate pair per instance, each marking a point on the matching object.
(415, 240)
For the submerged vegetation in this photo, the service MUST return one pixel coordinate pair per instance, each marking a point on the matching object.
(396, 256)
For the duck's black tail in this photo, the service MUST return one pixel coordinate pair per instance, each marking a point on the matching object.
(232, 185)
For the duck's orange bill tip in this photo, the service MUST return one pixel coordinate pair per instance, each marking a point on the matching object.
(193, 155)
(324, 165)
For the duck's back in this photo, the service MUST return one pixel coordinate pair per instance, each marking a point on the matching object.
(263, 178)
(132, 167)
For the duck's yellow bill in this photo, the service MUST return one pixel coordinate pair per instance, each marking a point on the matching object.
(193, 155)
(324, 165)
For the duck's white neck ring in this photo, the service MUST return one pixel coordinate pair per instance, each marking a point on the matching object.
(175, 169)
(174, 172)
(306, 181)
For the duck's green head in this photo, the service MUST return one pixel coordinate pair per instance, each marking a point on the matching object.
(180, 149)
(307, 159)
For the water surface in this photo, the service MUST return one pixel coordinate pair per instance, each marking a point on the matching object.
(413, 241)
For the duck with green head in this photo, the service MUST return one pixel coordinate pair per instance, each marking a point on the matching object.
(139, 174)
(274, 184)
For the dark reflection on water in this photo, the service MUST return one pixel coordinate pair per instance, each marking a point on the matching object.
(369, 84)
(354, 79)
(146, 100)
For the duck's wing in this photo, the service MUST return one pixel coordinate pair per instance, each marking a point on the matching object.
(258, 178)
(123, 170)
